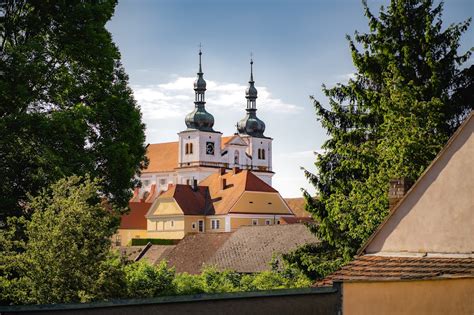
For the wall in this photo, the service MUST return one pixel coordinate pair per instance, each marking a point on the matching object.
(126, 235)
(297, 301)
(437, 215)
(450, 296)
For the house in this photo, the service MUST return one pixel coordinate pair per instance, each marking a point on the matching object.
(222, 202)
(133, 224)
(420, 260)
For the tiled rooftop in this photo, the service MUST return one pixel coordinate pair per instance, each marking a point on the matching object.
(380, 268)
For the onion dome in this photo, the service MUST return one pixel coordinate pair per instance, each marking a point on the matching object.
(251, 125)
(199, 118)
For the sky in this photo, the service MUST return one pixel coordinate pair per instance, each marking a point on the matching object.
(297, 46)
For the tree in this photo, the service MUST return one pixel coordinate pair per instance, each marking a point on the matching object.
(67, 256)
(409, 94)
(65, 104)
(145, 280)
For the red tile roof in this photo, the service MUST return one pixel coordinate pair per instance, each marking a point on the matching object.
(163, 157)
(381, 268)
(191, 202)
(294, 220)
(135, 219)
(297, 205)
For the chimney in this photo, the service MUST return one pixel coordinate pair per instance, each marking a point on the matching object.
(398, 188)
(195, 184)
(235, 170)
(223, 183)
(222, 171)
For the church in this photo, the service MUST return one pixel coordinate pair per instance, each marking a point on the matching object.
(206, 182)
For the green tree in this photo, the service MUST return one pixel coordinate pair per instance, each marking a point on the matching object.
(145, 280)
(65, 104)
(409, 94)
(67, 256)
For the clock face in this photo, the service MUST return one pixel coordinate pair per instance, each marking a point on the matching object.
(210, 148)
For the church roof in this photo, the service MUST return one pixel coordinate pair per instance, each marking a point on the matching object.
(237, 182)
(163, 157)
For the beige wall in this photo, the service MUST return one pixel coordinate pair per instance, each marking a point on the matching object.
(221, 224)
(126, 235)
(450, 296)
(235, 223)
(259, 202)
(168, 235)
(438, 214)
(188, 223)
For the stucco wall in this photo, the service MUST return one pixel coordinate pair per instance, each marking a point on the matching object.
(438, 214)
(126, 235)
(451, 296)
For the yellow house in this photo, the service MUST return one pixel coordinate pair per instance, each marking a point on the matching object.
(222, 202)
(420, 260)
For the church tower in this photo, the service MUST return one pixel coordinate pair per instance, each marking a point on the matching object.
(251, 129)
(199, 144)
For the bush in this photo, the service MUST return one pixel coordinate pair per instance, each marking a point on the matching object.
(144, 280)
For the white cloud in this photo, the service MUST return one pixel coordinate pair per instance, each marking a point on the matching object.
(175, 98)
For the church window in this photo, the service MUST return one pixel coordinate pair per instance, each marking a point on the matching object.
(236, 157)
(259, 154)
(190, 148)
(187, 148)
(263, 154)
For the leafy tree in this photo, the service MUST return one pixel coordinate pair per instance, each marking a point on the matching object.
(145, 280)
(409, 94)
(65, 104)
(66, 258)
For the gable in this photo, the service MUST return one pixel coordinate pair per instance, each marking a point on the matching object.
(437, 214)
(236, 140)
(260, 202)
(164, 207)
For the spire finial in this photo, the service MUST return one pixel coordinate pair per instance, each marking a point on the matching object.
(251, 67)
(200, 53)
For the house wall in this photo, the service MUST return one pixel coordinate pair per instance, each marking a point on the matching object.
(188, 223)
(126, 235)
(209, 224)
(449, 296)
(437, 215)
(235, 223)
(260, 202)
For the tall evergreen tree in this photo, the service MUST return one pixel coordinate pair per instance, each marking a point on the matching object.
(65, 104)
(409, 94)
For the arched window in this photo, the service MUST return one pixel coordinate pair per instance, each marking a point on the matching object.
(190, 148)
(187, 148)
(259, 154)
(236, 157)
(263, 154)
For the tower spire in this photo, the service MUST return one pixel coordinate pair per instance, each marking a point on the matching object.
(199, 118)
(251, 67)
(251, 92)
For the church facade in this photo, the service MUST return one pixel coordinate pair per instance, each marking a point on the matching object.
(201, 151)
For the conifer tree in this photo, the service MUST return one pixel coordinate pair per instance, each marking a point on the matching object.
(409, 94)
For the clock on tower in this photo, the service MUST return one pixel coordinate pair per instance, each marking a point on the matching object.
(210, 148)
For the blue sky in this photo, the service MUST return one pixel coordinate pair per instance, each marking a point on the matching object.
(297, 46)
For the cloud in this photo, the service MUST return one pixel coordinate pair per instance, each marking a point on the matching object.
(346, 76)
(175, 98)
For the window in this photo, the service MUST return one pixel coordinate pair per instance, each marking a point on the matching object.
(186, 148)
(190, 148)
(118, 240)
(278, 221)
(263, 154)
(236, 157)
(172, 223)
(254, 221)
(201, 226)
(259, 154)
(146, 182)
(162, 181)
(268, 222)
(193, 226)
(188, 181)
(215, 224)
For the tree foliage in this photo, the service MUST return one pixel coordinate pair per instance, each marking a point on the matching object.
(67, 254)
(409, 94)
(65, 104)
